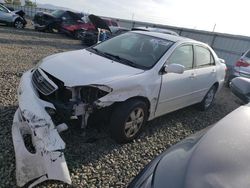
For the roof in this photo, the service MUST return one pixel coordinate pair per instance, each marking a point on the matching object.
(166, 36)
(155, 29)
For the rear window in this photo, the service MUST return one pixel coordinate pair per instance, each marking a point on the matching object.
(114, 23)
(57, 13)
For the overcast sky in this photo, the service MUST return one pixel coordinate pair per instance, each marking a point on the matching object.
(229, 16)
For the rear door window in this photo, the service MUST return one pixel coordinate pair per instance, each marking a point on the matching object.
(203, 57)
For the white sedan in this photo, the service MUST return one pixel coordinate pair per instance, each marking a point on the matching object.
(126, 81)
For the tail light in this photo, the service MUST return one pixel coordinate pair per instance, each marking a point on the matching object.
(242, 63)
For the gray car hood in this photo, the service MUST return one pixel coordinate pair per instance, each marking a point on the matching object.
(219, 159)
(82, 67)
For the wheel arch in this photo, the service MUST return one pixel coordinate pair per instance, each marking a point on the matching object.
(144, 99)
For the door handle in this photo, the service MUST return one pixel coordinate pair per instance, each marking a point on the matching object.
(213, 71)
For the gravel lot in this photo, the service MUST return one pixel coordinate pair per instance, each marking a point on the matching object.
(96, 160)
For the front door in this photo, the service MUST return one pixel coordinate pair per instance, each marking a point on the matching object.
(177, 89)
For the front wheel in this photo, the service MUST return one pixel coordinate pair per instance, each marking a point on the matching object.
(18, 24)
(208, 99)
(128, 120)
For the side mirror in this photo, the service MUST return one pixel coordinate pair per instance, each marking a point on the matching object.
(174, 68)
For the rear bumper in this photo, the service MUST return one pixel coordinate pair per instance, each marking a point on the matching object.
(47, 161)
(238, 74)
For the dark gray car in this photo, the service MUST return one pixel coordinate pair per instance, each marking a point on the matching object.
(12, 18)
(217, 156)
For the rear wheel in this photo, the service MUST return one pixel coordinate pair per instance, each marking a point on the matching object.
(18, 24)
(208, 99)
(128, 120)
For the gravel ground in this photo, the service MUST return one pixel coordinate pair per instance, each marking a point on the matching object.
(95, 161)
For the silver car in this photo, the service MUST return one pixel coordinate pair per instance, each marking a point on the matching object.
(241, 68)
(12, 18)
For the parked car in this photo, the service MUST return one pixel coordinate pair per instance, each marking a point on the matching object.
(111, 22)
(124, 81)
(155, 29)
(63, 21)
(12, 18)
(91, 38)
(214, 157)
(240, 69)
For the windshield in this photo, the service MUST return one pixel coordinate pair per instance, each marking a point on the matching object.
(138, 50)
(57, 13)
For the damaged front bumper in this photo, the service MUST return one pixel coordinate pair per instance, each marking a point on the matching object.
(47, 161)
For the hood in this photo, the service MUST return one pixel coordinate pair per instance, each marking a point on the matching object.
(98, 22)
(219, 159)
(81, 67)
(19, 12)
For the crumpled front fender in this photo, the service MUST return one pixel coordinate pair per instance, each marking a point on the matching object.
(45, 160)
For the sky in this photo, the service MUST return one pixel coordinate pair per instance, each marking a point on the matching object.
(229, 16)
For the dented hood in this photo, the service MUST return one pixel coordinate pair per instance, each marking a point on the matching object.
(82, 67)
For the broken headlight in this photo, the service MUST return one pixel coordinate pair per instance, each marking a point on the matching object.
(90, 94)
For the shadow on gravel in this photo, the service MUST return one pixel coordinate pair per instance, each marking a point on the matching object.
(7, 156)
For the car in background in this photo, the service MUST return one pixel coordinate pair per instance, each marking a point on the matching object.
(240, 69)
(12, 18)
(63, 21)
(217, 156)
(91, 38)
(154, 29)
(111, 22)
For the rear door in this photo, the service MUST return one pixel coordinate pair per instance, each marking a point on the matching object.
(204, 71)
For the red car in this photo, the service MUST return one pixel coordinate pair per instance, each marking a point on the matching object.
(63, 21)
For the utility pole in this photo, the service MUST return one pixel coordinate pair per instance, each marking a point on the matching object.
(214, 27)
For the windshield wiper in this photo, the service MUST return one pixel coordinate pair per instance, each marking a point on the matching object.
(102, 53)
(122, 60)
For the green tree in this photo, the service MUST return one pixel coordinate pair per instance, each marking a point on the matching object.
(30, 3)
(16, 2)
(8, 1)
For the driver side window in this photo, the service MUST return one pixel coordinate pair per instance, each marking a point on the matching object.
(183, 55)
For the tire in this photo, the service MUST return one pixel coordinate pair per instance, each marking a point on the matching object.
(132, 113)
(78, 34)
(207, 101)
(18, 24)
